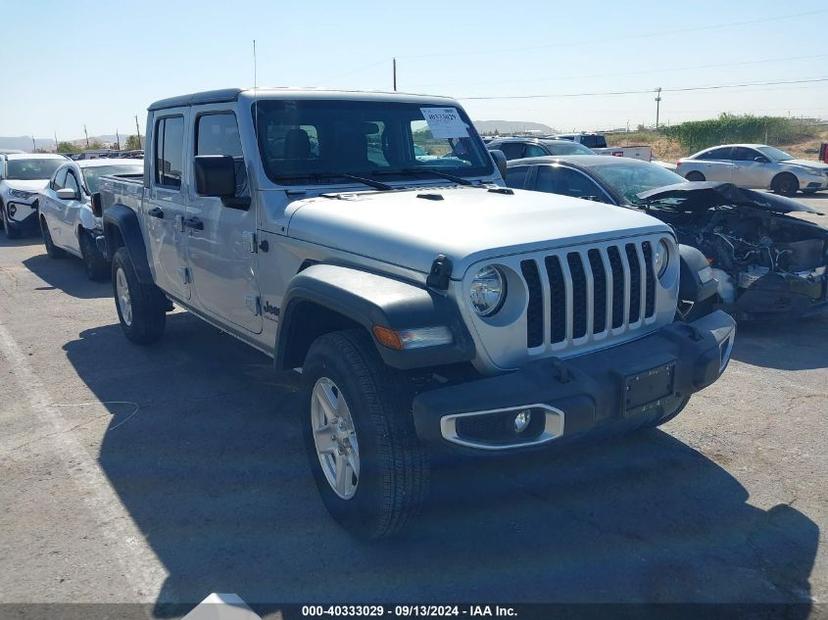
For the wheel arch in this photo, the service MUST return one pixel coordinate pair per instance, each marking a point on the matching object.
(122, 229)
(324, 298)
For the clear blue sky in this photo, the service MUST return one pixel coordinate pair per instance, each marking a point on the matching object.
(100, 63)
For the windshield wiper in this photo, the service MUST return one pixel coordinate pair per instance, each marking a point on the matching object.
(319, 176)
(420, 171)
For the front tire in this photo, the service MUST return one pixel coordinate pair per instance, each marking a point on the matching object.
(369, 466)
(97, 269)
(785, 184)
(142, 308)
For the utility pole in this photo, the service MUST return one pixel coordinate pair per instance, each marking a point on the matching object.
(56, 143)
(394, 66)
(117, 140)
(658, 104)
(34, 145)
(86, 133)
(138, 131)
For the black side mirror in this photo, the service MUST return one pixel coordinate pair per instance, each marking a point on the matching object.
(215, 176)
(97, 204)
(500, 161)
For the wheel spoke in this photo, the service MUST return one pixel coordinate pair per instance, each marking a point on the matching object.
(343, 473)
(328, 401)
(324, 438)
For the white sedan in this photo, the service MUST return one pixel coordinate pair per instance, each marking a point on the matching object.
(67, 218)
(755, 166)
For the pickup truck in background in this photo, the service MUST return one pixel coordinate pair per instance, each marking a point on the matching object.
(366, 239)
(598, 143)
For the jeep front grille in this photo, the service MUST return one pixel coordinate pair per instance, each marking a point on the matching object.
(581, 295)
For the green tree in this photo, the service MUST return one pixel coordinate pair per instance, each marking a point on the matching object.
(67, 147)
(133, 143)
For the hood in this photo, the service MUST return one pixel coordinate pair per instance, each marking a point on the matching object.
(410, 228)
(26, 186)
(704, 195)
(805, 163)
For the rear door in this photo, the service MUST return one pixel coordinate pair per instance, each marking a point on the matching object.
(165, 202)
(221, 235)
(716, 165)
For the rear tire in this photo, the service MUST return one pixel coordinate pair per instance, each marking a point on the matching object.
(141, 307)
(694, 176)
(386, 484)
(52, 251)
(97, 269)
(785, 184)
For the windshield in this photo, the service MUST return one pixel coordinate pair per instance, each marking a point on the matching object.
(628, 180)
(32, 169)
(92, 175)
(567, 148)
(307, 140)
(774, 154)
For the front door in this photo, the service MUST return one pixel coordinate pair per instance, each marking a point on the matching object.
(164, 206)
(221, 241)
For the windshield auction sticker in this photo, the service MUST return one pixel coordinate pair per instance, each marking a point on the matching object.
(445, 123)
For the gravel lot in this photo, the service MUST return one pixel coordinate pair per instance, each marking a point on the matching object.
(163, 474)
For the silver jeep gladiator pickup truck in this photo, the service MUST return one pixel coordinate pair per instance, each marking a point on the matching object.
(367, 239)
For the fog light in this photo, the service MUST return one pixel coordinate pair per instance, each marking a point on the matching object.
(12, 209)
(522, 420)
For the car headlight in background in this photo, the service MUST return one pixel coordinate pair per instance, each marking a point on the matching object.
(662, 257)
(487, 291)
(19, 193)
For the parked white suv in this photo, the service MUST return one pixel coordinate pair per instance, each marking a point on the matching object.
(69, 221)
(22, 176)
(366, 239)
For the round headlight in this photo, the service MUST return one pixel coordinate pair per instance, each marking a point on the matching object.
(662, 257)
(488, 291)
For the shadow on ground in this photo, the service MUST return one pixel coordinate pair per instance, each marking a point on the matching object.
(211, 469)
(68, 275)
(787, 345)
(24, 241)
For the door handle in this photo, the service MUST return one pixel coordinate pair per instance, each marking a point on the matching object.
(156, 212)
(193, 222)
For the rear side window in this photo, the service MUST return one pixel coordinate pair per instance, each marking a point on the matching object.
(516, 177)
(169, 145)
(722, 153)
(218, 134)
(512, 150)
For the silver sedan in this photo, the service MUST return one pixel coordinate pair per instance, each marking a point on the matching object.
(755, 166)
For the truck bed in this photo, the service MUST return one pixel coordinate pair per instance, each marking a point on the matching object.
(124, 189)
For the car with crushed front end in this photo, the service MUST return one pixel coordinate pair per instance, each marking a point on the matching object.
(70, 222)
(431, 310)
(766, 263)
(22, 176)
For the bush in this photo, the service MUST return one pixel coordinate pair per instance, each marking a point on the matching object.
(730, 128)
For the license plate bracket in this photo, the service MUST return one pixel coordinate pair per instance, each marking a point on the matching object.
(647, 390)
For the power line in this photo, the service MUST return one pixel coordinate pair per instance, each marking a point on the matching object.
(647, 35)
(648, 90)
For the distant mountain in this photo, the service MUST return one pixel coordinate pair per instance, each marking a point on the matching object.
(507, 127)
(24, 143)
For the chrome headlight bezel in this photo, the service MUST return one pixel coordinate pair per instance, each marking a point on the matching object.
(21, 194)
(489, 280)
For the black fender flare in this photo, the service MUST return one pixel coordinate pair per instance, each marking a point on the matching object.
(122, 228)
(691, 286)
(368, 299)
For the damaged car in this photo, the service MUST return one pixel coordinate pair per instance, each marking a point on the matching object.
(767, 264)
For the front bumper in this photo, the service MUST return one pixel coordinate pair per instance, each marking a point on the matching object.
(632, 384)
(782, 296)
(22, 216)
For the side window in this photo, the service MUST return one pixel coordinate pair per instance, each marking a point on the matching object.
(516, 177)
(533, 150)
(722, 153)
(72, 183)
(60, 179)
(512, 150)
(218, 134)
(557, 180)
(740, 153)
(169, 145)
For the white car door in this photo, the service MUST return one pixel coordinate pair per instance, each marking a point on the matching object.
(717, 165)
(70, 214)
(751, 169)
(51, 207)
